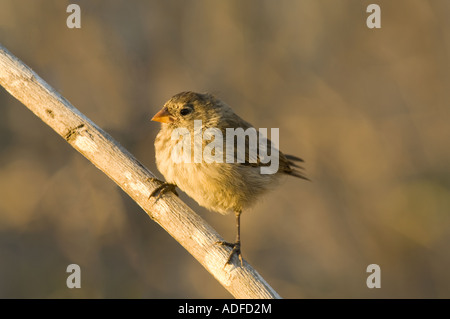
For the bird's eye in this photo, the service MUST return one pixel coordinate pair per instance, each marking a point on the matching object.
(185, 111)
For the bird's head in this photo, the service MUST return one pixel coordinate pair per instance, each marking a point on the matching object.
(186, 107)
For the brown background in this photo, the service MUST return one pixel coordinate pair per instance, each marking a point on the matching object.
(367, 109)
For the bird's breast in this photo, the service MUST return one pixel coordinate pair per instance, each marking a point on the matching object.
(221, 187)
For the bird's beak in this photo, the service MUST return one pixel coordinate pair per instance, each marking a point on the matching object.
(163, 116)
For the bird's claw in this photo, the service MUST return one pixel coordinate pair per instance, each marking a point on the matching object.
(236, 249)
(163, 188)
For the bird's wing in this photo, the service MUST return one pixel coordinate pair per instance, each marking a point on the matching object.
(287, 163)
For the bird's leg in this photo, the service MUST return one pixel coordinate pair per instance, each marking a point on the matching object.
(163, 188)
(236, 246)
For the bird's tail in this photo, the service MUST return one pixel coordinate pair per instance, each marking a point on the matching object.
(294, 169)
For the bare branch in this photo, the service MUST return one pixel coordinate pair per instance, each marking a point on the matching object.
(183, 224)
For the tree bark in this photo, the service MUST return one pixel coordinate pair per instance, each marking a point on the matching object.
(172, 214)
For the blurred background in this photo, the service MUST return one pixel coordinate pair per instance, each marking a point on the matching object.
(368, 110)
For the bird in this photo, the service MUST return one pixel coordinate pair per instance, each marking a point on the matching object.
(222, 186)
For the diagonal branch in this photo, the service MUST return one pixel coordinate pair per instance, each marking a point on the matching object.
(183, 224)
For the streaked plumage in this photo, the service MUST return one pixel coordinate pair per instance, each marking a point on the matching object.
(221, 187)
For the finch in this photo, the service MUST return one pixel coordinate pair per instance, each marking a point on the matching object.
(231, 182)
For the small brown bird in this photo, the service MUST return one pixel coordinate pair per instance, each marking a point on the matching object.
(222, 185)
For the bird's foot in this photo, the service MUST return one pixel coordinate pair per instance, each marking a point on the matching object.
(236, 249)
(163, 188)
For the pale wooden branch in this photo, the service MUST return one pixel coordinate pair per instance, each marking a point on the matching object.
(183, 224)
